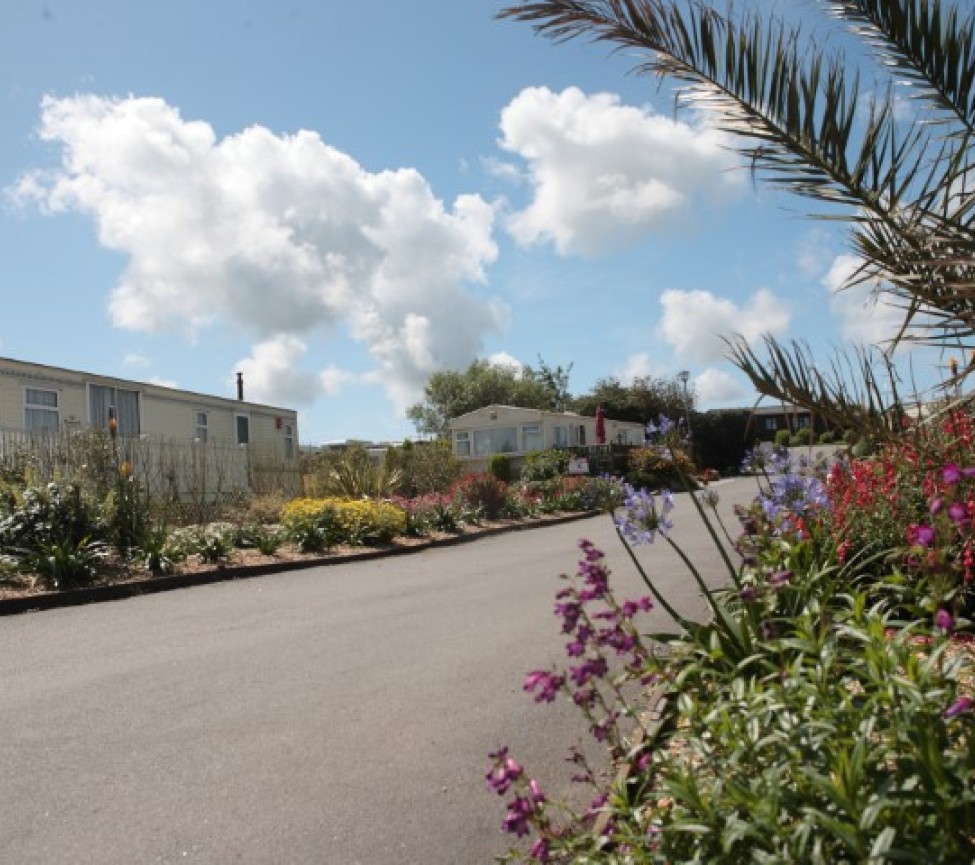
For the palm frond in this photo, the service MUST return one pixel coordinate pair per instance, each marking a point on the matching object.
(854, 391)
(931, 44)
(797, 115)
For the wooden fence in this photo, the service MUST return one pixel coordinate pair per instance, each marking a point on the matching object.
(179, 473)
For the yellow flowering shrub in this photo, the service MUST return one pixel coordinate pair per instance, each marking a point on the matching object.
(336, 521)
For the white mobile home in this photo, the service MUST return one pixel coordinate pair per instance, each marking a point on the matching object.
(45, 402)
(504, 429)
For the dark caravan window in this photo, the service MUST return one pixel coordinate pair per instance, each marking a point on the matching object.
(243, 425)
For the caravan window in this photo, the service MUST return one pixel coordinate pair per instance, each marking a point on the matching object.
(503, 440)
(125, 404)
(41, 410)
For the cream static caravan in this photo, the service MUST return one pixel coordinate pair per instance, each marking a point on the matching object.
(502, 429)
(39, 401)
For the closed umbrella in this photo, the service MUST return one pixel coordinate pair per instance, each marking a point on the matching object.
(600, 426)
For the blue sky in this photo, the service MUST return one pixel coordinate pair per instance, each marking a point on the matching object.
(340, 198)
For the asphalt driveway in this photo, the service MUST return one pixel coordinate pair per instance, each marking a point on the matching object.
(335, 715)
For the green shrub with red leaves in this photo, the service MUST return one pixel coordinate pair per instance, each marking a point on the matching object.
(482, 493)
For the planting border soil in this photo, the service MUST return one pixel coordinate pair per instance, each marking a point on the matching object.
(128, 580)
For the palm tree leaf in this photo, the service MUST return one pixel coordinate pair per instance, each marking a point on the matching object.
(929, 43)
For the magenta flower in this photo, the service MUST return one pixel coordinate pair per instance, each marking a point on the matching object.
(504, 771)
(584, 697)
(589, 548)
(962, 704)
(597, 805)
(630, 608)
(518, 819)
(575, 649)
(536, 791)
(920, 535)
(951, 473)
(570, 612)
(540, 851)
(780, 578)
(594, 668)
(943, 620)
(936, 506)
(543, 684)
(958, 513)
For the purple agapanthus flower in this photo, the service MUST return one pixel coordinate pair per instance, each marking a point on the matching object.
(643, 516)
(663, 426)
(791, 494)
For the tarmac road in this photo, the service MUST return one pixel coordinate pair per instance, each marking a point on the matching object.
(338, 715)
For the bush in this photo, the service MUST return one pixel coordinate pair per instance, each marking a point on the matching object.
(541, 466)
(319, 524)
(266, 509)
(482, 493)
(65, 563)
(657, 466)
(368, 522)
(500, 467)
(432, 512)
(783, 438)
(827, 437)
(804, 437)
(125, 514)
(720, 438)
(425, 467)
(55, 515)
(311, 524)
(155, 552)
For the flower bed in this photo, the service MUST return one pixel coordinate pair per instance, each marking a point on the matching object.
(822, 714)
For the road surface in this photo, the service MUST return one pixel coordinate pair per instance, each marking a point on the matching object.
(336, 715)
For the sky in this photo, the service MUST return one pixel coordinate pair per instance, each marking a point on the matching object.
(339, 199)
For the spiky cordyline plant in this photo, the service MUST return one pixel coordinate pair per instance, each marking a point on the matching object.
(797, 114)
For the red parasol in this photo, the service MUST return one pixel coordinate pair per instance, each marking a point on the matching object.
(600, 426)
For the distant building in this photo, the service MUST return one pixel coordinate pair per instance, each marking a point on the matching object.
(39, 402)
(513, 431)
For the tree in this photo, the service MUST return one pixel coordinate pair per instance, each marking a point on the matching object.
(797, 114)
(643, 400)
(450, 393)
(555, 381)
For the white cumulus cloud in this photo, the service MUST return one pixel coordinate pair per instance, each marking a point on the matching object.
(694, 322)
(603, 174)
(864, 318)
(503, 359)
(277, 235)
(714, 386)
(638, 366)
(272, 375)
